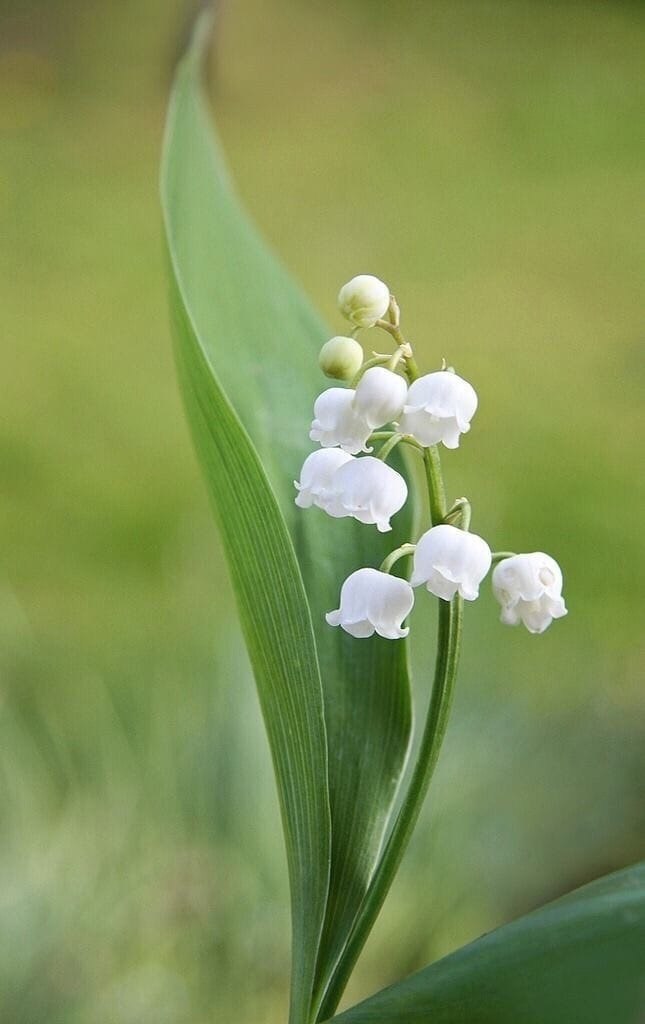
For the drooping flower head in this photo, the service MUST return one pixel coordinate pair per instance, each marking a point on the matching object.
(370, 491)
(451, 561)
(336, 422)
(364, 300)
(373, 602)
(436, 408)
(439, 408)
(380, 396)
(315, 486)
(529, 589)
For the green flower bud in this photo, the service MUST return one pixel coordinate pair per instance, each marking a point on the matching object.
(341, 358)
(364, 300)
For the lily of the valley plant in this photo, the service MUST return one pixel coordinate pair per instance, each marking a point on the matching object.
(325, 588)
(421, 412)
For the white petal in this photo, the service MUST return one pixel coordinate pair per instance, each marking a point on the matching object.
(549, 573)
(390, 602)
(320, 466)
(336, 423)
(370, 490)
(465, 403)
(426, 429)
(359, 630)
(516, 578)
(510, 616)
(441, 585)
(556, 607)
(468, 591)
(534, 615)
(380, 395)
(529, 586)
(450, 432)
(353, 596)
(439, 407)
(373, 601)
(447, 559)
(316, 476)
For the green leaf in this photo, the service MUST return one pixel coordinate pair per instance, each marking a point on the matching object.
(247, 345)
(277, 626)
(579, 960)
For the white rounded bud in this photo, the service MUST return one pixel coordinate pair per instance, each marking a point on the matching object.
(337, 423)
(370, 491)
(341, 358)
(380, 396)
(371, 602)
(315, 486)
(364, 300)
(439, 407)
(529, 589)
(451, 561)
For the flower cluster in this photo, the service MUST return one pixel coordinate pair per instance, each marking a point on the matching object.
(343, 479)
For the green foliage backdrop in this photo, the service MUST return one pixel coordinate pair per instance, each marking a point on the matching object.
(484, 159)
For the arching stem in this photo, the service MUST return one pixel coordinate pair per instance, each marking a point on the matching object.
(499, 556)
(459, 512)
(389, 446)
(449, 627)
(394, 556)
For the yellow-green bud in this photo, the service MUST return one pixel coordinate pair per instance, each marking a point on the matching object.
(341, 358)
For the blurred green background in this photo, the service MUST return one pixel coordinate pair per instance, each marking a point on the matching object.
(483, 158)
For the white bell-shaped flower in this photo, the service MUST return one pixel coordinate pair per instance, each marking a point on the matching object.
(336, 422)
(439, 407)
(364, 300)
(451, 561)
(380, 396)
(373, 602)
(315, 486)
(370, 491)
(529, 589)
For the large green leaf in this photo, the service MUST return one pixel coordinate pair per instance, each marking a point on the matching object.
(279, 637)
(579, 960)
(247, 347)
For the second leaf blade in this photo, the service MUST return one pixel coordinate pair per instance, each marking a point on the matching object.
(579, 960)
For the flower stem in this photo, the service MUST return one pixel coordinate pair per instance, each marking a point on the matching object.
(395, 360)
(385, 435)
(394, 556)
(449, 627)
(376, 360)
(499, 556)
(460, 511)
(449, 636)
(389, 445)
(436, 490)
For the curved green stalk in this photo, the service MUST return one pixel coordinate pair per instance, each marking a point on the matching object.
(394, 556)
(436, 489)
(449, 629)
(389, 446)
(499, 556)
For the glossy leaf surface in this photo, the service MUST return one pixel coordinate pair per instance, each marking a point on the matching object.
(247, 345)
(579, 960)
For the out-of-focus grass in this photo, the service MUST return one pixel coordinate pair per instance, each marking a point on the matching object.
(483, 158)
